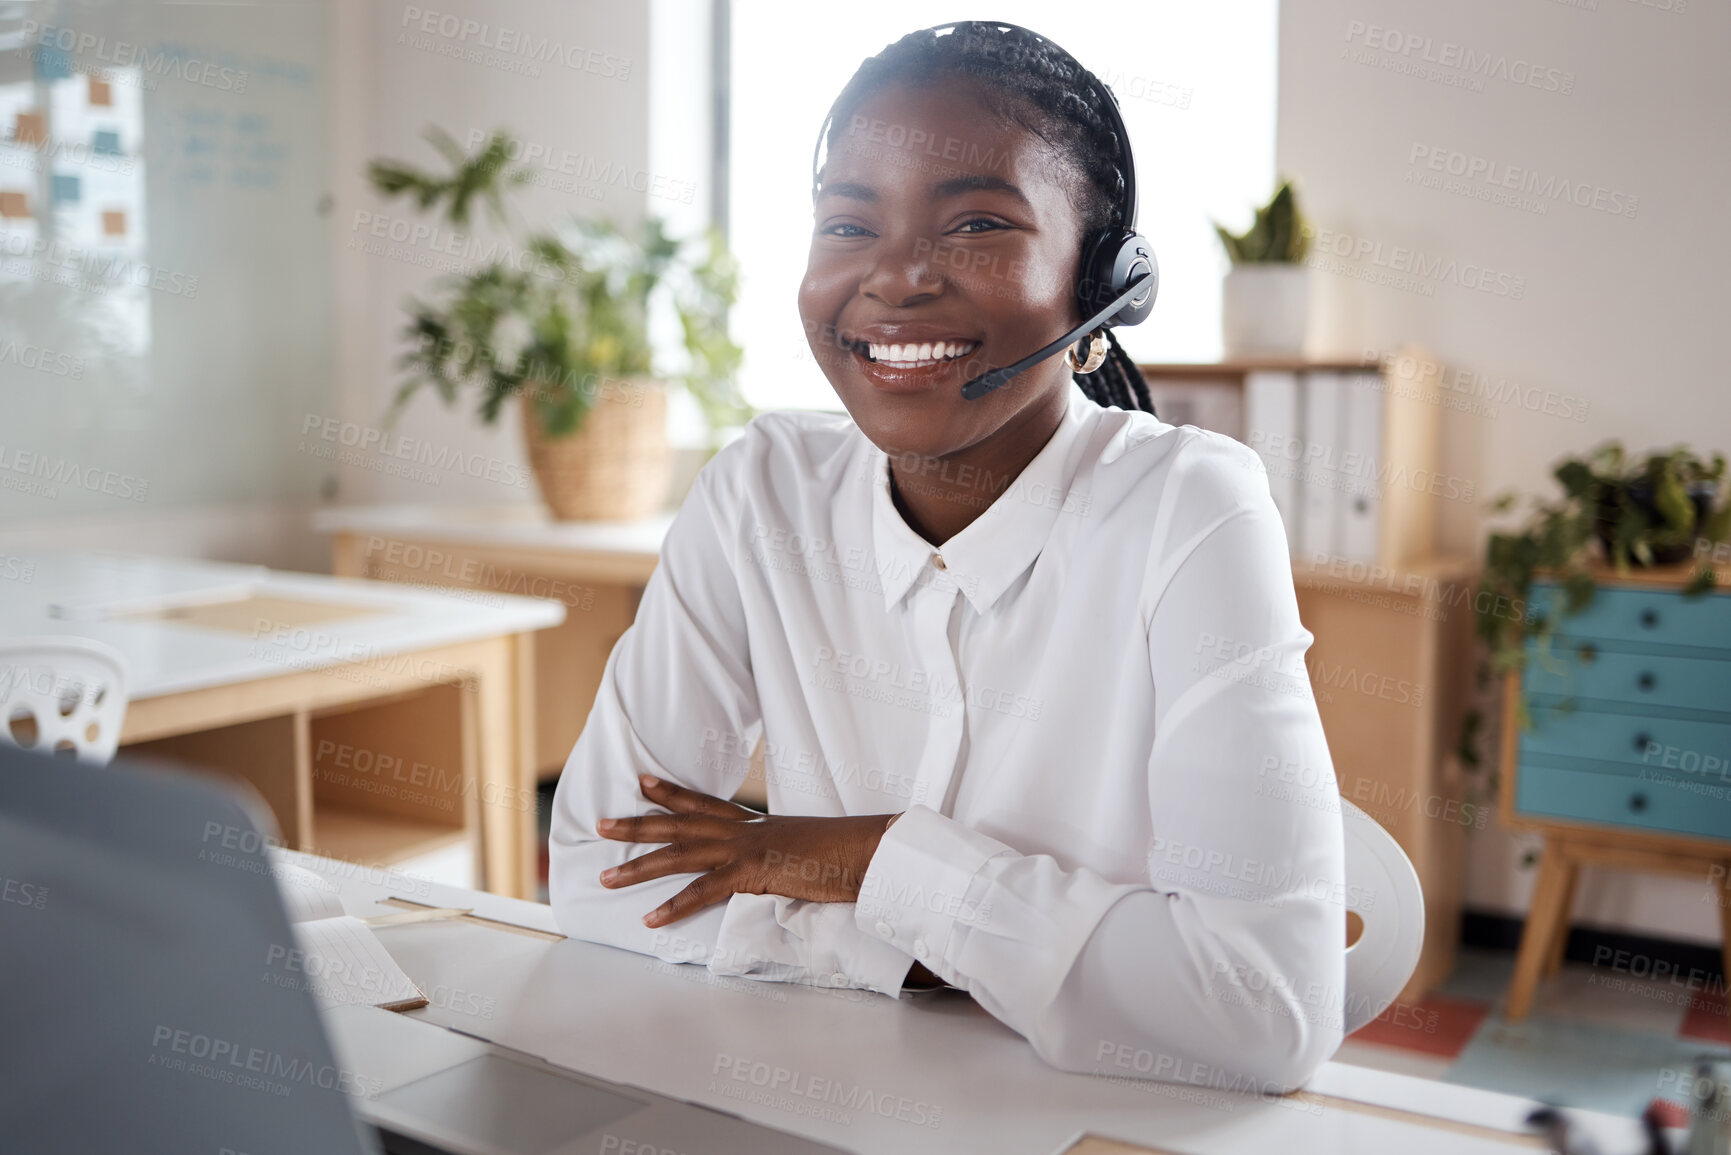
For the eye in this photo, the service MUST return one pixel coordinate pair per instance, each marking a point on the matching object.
(841, 229)
(969, 226)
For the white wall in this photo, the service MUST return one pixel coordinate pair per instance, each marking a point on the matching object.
(393, 80)
(1620, 315)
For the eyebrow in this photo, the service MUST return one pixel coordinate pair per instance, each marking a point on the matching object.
(972, 182)
(979, 182)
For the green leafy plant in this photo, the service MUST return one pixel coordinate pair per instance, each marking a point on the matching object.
(1279, 234)
(561, 316)
(1615, 512)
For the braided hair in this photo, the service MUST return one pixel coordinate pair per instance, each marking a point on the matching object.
(1031, 82)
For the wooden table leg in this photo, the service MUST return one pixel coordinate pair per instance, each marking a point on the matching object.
(1723, 894)
(503, 692)
(348, 555)
(1542, 918)
(1560, 938)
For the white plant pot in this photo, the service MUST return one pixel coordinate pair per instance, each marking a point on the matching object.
(1263, 310)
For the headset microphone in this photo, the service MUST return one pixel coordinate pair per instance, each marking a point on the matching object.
(990, 380)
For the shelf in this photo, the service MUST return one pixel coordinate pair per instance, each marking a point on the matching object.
(1230, 371)
(377, 839)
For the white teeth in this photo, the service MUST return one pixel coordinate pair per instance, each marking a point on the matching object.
(920, 354)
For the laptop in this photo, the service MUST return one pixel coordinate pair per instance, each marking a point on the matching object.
(138, 1011)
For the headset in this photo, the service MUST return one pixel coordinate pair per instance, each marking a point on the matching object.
(1120, 277)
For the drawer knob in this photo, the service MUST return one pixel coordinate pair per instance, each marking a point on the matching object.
(1637, 802)
(1645, 680)
(1642, 741)
(1649, 618)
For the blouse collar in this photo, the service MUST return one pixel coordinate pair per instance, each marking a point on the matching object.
(986, 557)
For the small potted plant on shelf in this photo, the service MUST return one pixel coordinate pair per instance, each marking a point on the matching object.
(560, 320)
(1664, 509)
(1265, 296)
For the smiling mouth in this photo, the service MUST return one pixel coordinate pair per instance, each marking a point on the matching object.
(913, 355)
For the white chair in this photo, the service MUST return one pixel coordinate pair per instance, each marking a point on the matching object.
(62, 695)
(1382, 889)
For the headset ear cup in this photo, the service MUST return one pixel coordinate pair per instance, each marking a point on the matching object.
(1112, 260)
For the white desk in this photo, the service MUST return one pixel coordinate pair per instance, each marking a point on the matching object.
(262, 674)
(940, 1058)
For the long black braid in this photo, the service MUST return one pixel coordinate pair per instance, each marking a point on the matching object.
(1040, 88)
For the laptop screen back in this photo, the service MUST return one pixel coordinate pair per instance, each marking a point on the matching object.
(146, 1005)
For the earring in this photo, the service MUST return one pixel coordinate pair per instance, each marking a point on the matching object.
(1096, 353)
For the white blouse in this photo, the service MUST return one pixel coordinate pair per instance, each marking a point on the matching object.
(1122, 831)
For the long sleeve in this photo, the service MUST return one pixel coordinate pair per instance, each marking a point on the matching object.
(677, 700)
(1225, 966)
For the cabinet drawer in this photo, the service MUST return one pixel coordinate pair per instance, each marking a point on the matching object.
(1614, 676)
(1664, 617)
(1629, 740)
(1678, 806)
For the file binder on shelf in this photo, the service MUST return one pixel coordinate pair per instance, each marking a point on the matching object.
(1350, 447)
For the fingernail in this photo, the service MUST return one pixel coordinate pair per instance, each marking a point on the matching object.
(653, 918)
(649, 781)
(607, 824)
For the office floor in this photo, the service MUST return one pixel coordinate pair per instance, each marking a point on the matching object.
(1594, 1039)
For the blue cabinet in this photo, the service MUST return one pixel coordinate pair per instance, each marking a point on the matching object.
(1630, 705)
(1627, 760)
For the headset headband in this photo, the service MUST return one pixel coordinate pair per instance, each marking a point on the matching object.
(1109, 103)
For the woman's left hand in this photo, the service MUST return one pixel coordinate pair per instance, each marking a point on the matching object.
(740, 851)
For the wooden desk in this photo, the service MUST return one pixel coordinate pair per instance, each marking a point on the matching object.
(379, 723)
(1391, 670)
(597, 572)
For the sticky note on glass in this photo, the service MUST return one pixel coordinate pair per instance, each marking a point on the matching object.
(30, 128)
(113, 223)
(101, 93)
(106, 142)
(66, 189)
(14, 204)
(53, 64)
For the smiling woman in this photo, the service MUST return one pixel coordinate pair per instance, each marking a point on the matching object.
(1020, 661)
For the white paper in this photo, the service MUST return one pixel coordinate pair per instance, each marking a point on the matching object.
(342, 961)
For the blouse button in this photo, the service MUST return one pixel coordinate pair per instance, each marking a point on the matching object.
(938, 560)
(920, 948)
(885, 930)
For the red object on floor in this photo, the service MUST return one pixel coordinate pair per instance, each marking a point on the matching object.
(1435, 1025)
(1669, 1113)
(1707, 1018)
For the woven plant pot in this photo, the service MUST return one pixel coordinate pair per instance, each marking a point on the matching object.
(617, 464)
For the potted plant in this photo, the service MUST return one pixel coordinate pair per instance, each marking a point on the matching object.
(1265, 296)
(560, 319)
(1615, 513)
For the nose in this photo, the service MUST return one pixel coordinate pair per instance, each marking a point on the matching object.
(903, 274)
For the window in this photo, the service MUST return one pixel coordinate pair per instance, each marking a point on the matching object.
(1196, 84)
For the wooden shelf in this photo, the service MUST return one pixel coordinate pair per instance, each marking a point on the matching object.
(1419, 577)
(378, 839)
(1229, 371)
